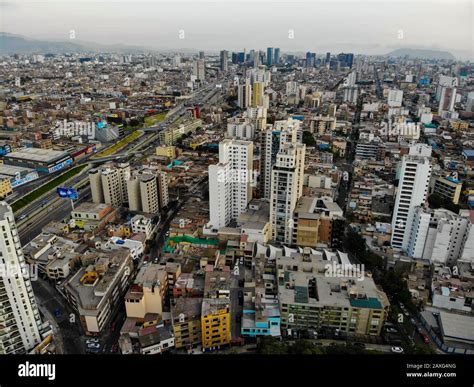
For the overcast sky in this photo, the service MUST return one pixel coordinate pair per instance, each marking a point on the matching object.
(366, 26)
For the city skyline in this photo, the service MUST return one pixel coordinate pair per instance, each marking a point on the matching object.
(184, 25)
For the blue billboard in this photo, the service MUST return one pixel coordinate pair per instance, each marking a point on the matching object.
(67, 193)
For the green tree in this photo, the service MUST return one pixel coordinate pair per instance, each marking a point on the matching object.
(435, 201)
(308, 138)
(272, 346)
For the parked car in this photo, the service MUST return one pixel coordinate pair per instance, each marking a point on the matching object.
(426, 339)
(360, 345)
(391, 330)
(92, 341)
(93, 345)
(397, 350)
(57, 312)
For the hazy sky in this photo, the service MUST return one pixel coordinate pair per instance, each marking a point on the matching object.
(366, 26)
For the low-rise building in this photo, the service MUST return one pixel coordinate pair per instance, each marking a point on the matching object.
(261, 310)
(96, 290)
(186, 320)
(147, 293)
(215, 323)
(314, 294)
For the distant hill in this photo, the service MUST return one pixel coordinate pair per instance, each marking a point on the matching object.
(16, 44)
(413, 53)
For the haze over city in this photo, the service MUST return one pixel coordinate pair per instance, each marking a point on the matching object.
(240, 179)
(365, 27)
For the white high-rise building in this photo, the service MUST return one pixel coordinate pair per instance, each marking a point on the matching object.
(286, 189)
(470, 102)
(19, 314)
(144, 188)
(414, 178)
(292, 88)
(447, 99)
(143, 192)
(109, 184)
(240, 128)
(395, 98)
(271, 139)
(199, 69)
(438, 235)
(260, 74)
(350, 80)
(350, 94)
(244, 95)
(230, 183)
(445, 81)
(468, 238)
(258, 116)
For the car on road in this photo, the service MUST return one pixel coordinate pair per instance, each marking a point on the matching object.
(426, 339)
(397, 350)
(57, 312)
(413, 321)
(21, 217)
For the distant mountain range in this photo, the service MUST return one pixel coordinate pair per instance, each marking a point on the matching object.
(414, 53)
(17, 44)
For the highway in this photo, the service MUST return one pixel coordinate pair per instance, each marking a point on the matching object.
(49, 207)
(56, 210)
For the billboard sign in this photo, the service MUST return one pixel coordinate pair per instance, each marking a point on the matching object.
(67, 193)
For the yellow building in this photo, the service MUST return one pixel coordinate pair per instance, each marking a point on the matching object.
(447, 187)
(257, 94)
(459, 125)
(177, 130)
(5, 188)
(166, 151)
(186, 320)
(215, 323)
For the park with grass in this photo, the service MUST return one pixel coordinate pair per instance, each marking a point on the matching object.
(119, 145)
(50, 185)
(153, 120)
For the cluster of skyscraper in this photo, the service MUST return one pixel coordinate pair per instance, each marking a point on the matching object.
(256, 58)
